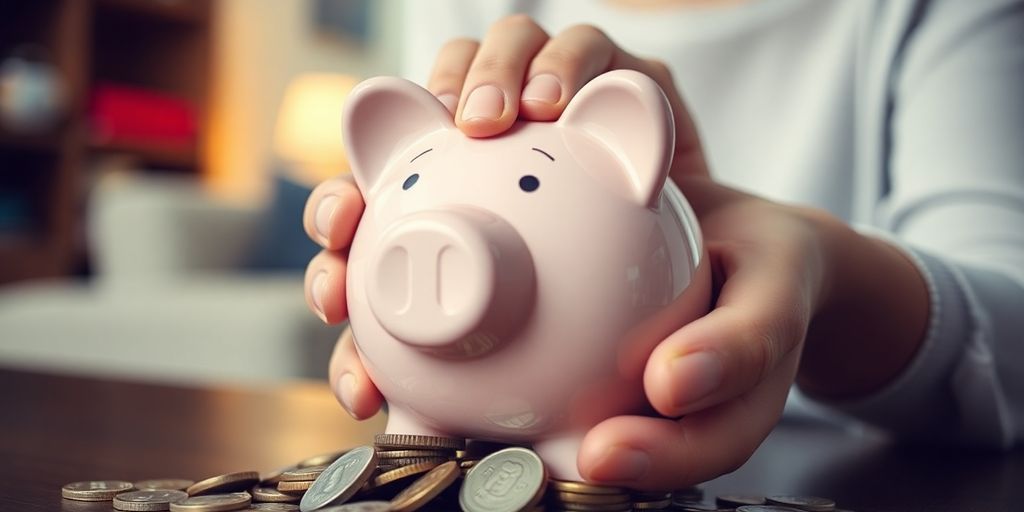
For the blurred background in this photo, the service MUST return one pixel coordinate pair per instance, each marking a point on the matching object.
(155, 156)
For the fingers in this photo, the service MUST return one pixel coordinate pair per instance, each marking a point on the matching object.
(759, 321)
(332, 212)
(449, 73)
(350, 382)
(563, 66)
(489, 99)
(659, 453)
(325, 286)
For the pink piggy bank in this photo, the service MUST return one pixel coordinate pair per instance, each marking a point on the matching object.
(512, 288)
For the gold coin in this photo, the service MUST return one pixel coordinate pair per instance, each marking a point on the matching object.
(302, 474)
(597, 499)
(230, 482)
(584, 488)
(96, 490)
(652, 505)
(273, 477)
(164, 484)
(136, 501)
(276, 507)
(324, 459)
(402, 472)
(295, 487)
(426, 488)
(271, 495)
(409, 461)
(213, 503)
(405, 454)
(416, 442)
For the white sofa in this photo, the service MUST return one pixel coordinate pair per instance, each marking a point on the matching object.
(169, 300)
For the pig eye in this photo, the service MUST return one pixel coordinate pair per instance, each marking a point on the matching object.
(410, 181)
(529, 183)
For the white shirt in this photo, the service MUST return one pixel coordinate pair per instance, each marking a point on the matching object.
(904, 118)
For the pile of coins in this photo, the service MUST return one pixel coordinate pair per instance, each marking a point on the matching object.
(404, 473)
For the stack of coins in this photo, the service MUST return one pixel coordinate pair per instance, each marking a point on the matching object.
(564, 495)
(398, 450)
(404, 473)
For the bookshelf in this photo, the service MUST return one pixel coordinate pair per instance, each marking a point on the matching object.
(159, 45)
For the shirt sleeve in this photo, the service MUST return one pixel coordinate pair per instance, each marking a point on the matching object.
(955, 205)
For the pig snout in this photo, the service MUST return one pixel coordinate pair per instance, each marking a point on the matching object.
(454, 283)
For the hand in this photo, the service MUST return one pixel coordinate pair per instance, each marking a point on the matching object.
(330, 218)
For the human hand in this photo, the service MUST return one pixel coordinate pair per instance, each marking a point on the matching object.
(330, 218)
(721, 381)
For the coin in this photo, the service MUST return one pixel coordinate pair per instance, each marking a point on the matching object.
(227, 483)
(408, 461)
(271, 494)
(584, 488)
(403, 472)
(302, 474)
(324, 459)
(592, 499)
(295, 487)
(652, 505)
(696, 507)
(507, 480)
(416, 442)
(273, 477)
(213, 503)
(341, 479)
(404, 454)
(277, 507)
(426, 488)
(148, 500)
(737, 500)
(95, 490)
(766, 508)
(360, 506)
(808, 503)
(161, 484)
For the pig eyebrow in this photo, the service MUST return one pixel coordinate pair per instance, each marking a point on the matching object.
(421, 154)
(545, 153)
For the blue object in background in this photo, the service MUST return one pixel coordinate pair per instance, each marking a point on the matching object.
(282, 244)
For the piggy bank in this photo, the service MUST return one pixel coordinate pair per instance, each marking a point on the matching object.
(512, 288)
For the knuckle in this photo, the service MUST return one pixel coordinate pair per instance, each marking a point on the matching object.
(501, 65)
(459, 45)
(443, 77)
(586, 31)
(561, 58)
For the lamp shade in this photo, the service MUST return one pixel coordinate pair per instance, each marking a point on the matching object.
(308, 131)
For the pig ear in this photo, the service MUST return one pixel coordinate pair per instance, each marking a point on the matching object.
(627, 112)
(382, 117)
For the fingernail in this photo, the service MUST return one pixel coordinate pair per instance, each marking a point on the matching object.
(485, 102)
(696, 375)
(317, 289)
(324, 212)
(621, 463)
(450, 102)
(544, 88)
(347, 391)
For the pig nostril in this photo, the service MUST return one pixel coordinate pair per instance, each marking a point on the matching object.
(410, 181)
(529, 183)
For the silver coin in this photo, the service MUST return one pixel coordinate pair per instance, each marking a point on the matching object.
(148, 500)
(276, 507)
(360, 506)
(341, 480)
(505, 481)
(213, 502)
(809, 503)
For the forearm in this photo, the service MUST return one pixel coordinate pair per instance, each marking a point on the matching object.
(871, 320)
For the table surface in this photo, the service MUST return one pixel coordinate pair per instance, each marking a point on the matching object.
(58, 429)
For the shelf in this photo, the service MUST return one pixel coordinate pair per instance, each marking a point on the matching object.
(150, 154)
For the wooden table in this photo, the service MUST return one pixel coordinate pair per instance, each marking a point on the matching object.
(59, 429)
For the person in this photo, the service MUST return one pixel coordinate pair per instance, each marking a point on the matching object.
(858, 172)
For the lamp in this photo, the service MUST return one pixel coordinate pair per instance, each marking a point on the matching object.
(308, 131)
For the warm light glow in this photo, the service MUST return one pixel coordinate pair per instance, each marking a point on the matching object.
(308, 131)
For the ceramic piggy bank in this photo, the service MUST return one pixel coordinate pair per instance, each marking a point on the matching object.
(512, 288)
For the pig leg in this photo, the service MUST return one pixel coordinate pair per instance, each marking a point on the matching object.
(559, 455)
(401, 421)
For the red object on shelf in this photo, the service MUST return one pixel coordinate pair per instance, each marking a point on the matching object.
(124, 114)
